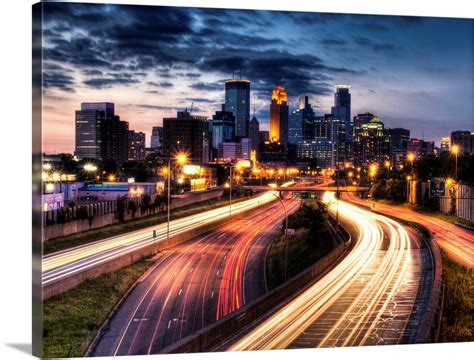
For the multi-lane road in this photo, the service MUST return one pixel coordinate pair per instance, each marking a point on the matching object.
(455, 240)
(63, 264)
(195, 284)
(376, 295)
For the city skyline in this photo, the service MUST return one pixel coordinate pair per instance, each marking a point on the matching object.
(421, 65)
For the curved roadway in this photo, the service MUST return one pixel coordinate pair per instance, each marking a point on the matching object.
(455, 240)
(63, 264)
(195, 284)
(376, 295)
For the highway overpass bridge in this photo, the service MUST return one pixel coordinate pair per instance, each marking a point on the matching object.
(306, 188)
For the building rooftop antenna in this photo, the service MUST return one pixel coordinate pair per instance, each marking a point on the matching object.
(254, 106)
(192, 104)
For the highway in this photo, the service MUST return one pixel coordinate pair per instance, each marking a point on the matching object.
(375, 295)
(195, 284)
(63, 264)
(455, 240)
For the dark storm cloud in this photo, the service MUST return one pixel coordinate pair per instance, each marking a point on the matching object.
(189, 75)
(373, 27)
(108, 82)
(135, 40)
(199, 100)
(299, 74)
(375, 46)
(333, 42)
(208, 86)
(164, 84)
(58, 80)
(92, 72)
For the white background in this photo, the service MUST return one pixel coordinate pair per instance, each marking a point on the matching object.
(15, 173)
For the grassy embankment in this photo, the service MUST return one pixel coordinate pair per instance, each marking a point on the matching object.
(458, 311)
(134, 224)
(311, 241)
(71, 320)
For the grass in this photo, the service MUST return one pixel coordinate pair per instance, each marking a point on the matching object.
(72, 319)
(458, 311)
(85, 237)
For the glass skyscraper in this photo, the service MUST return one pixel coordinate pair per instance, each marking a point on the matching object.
(342, 108)
(237, 101)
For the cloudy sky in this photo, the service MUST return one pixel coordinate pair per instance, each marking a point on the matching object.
(152, 61)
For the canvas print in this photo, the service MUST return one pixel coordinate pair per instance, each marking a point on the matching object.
(233, 180)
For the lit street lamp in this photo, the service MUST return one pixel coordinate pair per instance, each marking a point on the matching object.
(455, 152)
(181, 159)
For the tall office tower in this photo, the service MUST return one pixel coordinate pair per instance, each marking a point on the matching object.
(89, 122)
(465, 141)
(136, 145)
(399, 139)
(372, 144)
(186, 133)
(301, 122)
(88, 133)
(445, 143)
(332, 128)
(342, 108)
(237, 101)
(420, 147)
(115, 140)
(100, 134)
(222, 129)
(320, 149)
(254, 133)
(295, 127)
(156, 140)
(279, 116)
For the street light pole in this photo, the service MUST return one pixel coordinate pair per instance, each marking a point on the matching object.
(456, 167)
(286, 233)
(230, 192)
(169, 201)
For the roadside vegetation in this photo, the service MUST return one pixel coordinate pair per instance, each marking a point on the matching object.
(439, 215)
(71, 320)
(458, 311)
(311, 241)
(85, 237)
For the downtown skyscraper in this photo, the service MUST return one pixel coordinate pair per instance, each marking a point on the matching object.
(342, 108)
(279, 116)
(237, 101)
(100, 134)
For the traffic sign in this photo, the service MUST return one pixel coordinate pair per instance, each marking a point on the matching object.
(437, 187)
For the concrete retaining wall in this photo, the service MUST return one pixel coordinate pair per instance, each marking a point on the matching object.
(214, 335)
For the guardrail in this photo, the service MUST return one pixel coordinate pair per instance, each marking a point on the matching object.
(214, 335)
